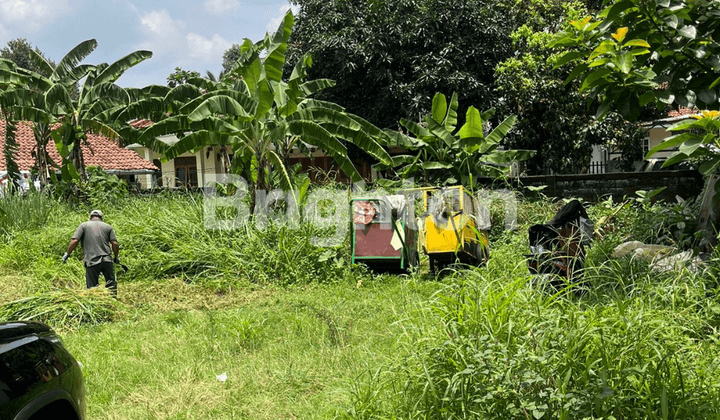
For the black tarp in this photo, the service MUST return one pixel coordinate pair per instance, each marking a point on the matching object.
(570, 212)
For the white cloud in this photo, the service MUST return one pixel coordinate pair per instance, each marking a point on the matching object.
(164, 34)
(161, 23)
(218, 7)
(130, 5)
(32, 14)
(200, 47)
(275, 22)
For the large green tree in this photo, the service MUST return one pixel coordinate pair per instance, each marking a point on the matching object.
(230, 56)
(390, 57)
(639, 52)
(18, 51)
(553, 117)
(180, 76)
(662, 52)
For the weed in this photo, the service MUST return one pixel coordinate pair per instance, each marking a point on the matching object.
(301, 336)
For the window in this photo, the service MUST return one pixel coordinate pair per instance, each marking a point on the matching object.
(186, 172)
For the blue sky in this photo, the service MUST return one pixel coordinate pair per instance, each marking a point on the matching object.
(192, 34)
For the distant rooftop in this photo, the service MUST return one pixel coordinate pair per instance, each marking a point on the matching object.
(100, 151)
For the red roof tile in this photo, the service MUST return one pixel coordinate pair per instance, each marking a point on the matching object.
(682, 112)
(100, 151)
(139, 124)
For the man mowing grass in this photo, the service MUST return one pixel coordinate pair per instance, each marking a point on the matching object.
(97, 239)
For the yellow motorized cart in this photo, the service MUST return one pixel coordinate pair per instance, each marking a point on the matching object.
(452, 227)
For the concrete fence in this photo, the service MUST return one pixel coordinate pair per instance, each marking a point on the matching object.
(595, 187)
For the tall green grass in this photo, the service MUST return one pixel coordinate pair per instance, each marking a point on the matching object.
(23, 212)
(164, 236)
(488, 343)
(635, 344)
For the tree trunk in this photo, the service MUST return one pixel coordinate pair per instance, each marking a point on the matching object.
(42, 137)
(260, 183)
(43, 165)
(709, 218)
(10, 152)
(77, 160)
(224, 159)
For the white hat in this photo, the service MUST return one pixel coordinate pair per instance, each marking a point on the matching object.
(97, 213)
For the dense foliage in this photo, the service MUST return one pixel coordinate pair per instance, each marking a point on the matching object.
(660, 53)
(230, 56)
(180, 76)
(18, 51)
(553, 117)
(390, 57)
(442, 152)
(638, 52)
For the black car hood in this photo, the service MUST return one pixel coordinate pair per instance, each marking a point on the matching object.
(12, 330)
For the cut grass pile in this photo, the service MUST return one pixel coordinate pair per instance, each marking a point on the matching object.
(64, 308)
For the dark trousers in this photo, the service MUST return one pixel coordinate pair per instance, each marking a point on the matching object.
(92, 275)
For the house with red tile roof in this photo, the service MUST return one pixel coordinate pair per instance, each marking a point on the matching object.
(100, 151)
(202, 167)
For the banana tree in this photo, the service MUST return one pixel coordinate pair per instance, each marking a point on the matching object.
(8, 83)
(442, 152)
(98, 93)
(22, 99)
(25, 102)
(252, 110)
(27, 105)
(10, 150)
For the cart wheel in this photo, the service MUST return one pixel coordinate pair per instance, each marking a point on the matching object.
(480, 255)
(433, 265)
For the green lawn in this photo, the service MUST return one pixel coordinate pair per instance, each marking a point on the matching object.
(287, 353)
(300, 334)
